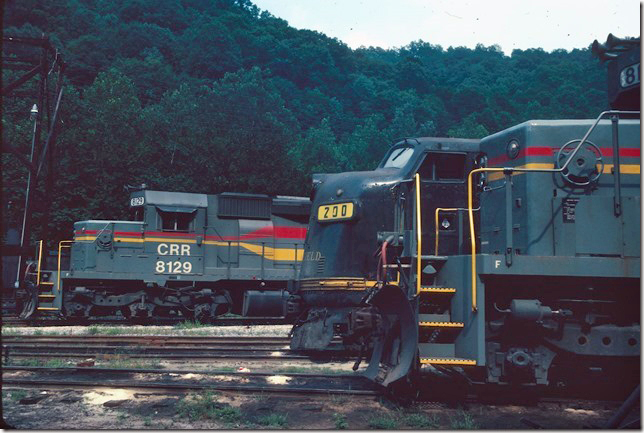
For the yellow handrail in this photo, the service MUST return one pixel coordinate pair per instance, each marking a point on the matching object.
(442, 209)
(39, 263)
(418, 233)
(60, 249)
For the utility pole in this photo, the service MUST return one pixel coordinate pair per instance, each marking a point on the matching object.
(40, 61)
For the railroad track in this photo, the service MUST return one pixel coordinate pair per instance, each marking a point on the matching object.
(152, 347)
(183, 380)
(223, 321)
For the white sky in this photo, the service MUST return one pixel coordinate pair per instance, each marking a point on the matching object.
(522, 24)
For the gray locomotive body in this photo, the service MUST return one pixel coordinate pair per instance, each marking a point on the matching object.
(519, 263)
(184, 254)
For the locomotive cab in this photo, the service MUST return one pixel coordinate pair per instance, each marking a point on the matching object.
(353, 213)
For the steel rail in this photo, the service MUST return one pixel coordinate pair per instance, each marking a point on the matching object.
(186, 386)
(160, 321)
(179, 371)
(146, 340)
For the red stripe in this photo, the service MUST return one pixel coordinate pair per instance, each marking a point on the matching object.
(171, 234)
(279, 232)
(551, 151)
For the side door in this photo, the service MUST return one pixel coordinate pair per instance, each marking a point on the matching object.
(443, 185)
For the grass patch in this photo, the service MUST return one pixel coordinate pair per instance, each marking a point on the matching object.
(340, 421)
(339, 399)
(16, 394)
(463, 421)
(37, 362)
(190, 325)
(319, 370)
(418, 420)
(383, 423)
(119, 361)
(277, 420)
(205, 406)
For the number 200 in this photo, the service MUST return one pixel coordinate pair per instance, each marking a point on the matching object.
(171, 267)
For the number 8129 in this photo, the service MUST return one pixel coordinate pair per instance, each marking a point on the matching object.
(173, 267)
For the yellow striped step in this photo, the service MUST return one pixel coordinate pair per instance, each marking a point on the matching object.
(47, 283)
(441, 324)
(48, 309)
(46, 295)
(447, 361)
(426, 289)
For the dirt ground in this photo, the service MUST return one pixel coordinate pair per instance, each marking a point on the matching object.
(105, 408)
(126, 409)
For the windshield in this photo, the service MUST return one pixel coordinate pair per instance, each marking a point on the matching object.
(399, 157)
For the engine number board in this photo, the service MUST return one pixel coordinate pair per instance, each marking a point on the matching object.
(337, 211)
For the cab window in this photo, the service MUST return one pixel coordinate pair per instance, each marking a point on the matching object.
(398, 157)
(176, 221)
(136, 213)
(449, 167)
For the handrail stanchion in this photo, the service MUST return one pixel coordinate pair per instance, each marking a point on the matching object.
(418, 234)
(60, 253)
(39, 263)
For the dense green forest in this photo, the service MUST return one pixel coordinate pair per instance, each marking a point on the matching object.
(212, 96)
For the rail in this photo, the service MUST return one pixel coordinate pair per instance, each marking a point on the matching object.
(509, 171)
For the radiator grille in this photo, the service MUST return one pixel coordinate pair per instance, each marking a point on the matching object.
(241, 206)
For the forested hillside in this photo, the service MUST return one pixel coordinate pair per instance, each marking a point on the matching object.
(212, 96)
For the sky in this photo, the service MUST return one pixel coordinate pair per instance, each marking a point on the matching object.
(518, 24)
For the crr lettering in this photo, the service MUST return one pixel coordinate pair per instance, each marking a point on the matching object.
(173, 250)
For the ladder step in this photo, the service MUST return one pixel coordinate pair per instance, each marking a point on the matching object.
(427, 289)
(432, 258)
(46, 295)
(48, 309)
(46, 283)
(434, 318)
(441, 324)
(448, 361)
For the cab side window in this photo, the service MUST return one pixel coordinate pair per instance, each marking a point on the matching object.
(176, 221)
(449, 167)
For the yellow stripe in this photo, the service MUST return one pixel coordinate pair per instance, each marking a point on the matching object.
(447, 361)
(537, 165)
(337, 284)
(279, 254)
(623, 168)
